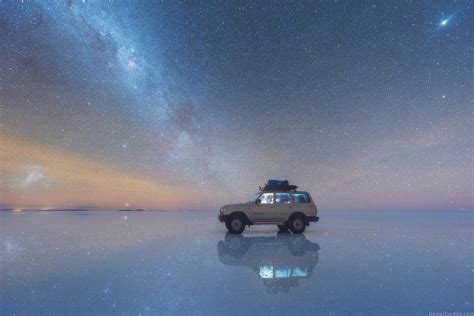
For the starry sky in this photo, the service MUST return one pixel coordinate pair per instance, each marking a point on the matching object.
(190, 105)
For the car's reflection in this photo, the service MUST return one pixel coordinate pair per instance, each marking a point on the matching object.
(280, 261)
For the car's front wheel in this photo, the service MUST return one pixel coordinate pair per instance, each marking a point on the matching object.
(297, 223)
(235, 224)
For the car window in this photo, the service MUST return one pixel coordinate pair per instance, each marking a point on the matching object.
(255, 197)
(282, 197)
(266, 198)
(300, 198)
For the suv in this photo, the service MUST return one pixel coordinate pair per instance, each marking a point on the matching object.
(292, 210)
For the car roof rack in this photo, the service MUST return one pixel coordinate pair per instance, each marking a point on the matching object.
(292, 188)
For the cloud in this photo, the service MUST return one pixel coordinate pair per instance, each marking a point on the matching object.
(77, 180)
(32, 176)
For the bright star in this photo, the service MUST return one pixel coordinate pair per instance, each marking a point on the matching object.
(444, 22)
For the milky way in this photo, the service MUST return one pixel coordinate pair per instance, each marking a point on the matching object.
(191, 105)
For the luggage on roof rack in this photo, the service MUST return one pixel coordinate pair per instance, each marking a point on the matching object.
(278, 185)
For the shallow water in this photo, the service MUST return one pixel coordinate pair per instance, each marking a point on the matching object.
(184, 263)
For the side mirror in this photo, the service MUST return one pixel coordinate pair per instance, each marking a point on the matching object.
(258, 201)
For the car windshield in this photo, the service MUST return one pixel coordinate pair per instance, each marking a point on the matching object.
(255, 197)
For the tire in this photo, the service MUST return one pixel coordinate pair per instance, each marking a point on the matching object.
(283, 228)
(235, 224)
(297, 223)
(236, 245)
(297, 245)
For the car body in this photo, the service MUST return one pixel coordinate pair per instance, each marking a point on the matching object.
(292, 210)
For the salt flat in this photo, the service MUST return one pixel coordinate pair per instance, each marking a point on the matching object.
(184, 263)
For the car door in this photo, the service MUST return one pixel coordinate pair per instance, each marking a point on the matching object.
(283, 206)
(262, 211)
(302, 203)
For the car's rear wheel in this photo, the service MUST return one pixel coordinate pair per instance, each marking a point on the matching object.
(235, 224)
(297, 223)
(283, 228)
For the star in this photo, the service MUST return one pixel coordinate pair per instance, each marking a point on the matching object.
(445, 22)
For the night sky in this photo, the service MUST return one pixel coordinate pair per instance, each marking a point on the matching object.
(191, 105)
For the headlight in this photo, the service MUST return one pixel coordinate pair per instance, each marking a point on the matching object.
(223, 209)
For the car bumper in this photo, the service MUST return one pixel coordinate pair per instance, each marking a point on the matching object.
(222, 218)
(313, 218)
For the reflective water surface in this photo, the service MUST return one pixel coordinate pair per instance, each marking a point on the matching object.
(185, 263)
(280, 262)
